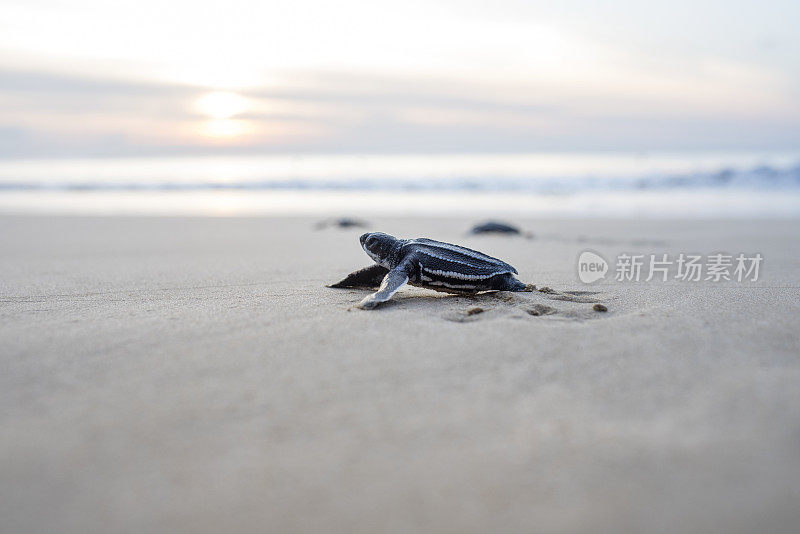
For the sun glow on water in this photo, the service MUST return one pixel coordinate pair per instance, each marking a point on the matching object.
(225, 128)
(222, 105)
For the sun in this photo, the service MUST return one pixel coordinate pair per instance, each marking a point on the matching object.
(222, 105)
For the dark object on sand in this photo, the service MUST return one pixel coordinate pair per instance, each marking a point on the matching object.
(342, 222)
(475, 310)
(427, 263)
(600, 308)
(366, 278)
(541, 309)
(499, 228)
(495, 227)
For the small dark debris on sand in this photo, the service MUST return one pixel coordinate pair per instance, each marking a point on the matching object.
(341, 222)
(494, 227)
(529, 288)
(546, 289)
(541, 309)
(600, 308)
(474, 310)
(497, 227)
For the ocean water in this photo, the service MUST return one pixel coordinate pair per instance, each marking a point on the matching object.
(736, 184)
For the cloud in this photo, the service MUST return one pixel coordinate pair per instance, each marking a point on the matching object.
(51, 114)
(94, 77)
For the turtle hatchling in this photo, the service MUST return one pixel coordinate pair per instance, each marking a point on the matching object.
(427, 263)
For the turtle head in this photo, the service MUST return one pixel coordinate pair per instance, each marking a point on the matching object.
(380, 247)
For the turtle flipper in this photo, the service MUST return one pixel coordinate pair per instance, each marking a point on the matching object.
(368, 277)
(394, 280)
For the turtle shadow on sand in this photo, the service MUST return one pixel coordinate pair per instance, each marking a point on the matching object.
(529, 305)
(533, 304)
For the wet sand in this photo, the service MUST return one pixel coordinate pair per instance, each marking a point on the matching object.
(195, 375)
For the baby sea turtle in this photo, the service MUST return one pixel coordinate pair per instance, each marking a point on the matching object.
(427, 263)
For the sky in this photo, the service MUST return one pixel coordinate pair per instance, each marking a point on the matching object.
(97, 78)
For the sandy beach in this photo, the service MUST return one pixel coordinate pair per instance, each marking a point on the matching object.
(196, 375)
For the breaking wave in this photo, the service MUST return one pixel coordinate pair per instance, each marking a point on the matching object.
(760, 178)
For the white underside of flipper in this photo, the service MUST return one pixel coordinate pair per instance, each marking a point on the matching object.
(393, 281)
